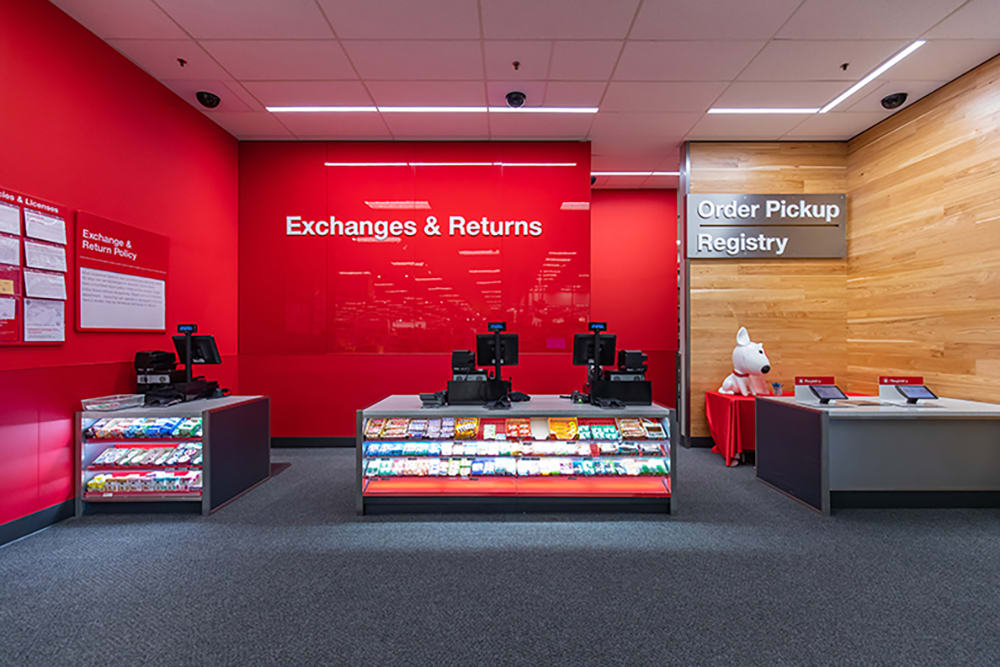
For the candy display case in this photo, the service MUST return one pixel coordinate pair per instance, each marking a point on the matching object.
(547, 454)
(193, 456)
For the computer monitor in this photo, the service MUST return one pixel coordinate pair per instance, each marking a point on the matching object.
(583, 349)
(203, 350)
(486, 350)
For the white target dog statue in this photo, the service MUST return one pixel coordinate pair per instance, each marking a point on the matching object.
(750, 365)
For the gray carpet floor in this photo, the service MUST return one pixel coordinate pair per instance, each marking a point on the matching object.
(289, 575)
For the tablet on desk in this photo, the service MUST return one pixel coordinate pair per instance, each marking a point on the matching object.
(914, 392)
(827, 392)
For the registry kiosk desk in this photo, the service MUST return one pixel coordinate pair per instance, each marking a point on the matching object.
(945, 453)
(191, 457)
(546, 454)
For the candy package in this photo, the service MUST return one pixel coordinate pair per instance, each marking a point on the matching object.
(653, 429)
(563, 428)
(373, 427)
(466, 428)
(631, 428)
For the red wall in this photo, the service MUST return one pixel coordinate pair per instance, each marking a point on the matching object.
(331, 324)
(634, 276)
(147, 159)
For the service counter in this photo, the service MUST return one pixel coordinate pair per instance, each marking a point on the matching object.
(944, 453)
(194, 456)
(547, 454)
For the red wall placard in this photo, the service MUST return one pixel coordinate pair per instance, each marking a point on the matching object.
(122, 276)
(896, 379)
(814, 379)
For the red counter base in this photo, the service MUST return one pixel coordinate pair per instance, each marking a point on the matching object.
(516, 494)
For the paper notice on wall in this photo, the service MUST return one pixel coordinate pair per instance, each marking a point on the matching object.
(10, 219)
(8, 308)
(10, 250)
(110, 300)
(45, 227)
(44, 321)
(44, 256)
(44, 285)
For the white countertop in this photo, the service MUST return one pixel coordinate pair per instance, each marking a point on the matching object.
(942, 408)
(188, 409)
(540, 405)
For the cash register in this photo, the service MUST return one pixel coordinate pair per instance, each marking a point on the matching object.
(469, 384)
(625, 385)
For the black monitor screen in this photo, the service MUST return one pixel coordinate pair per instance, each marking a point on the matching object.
(583, 349)
(915, 391)
(203, 350)
(486, 352)
(828, 392)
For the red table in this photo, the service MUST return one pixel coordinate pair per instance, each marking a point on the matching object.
(731, 423)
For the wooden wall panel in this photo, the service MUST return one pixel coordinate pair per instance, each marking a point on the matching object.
(924, 242)
(796, 307)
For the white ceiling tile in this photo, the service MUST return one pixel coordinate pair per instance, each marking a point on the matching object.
(574, 93)
(309, 93)
(557, 19)
(865, 19)
(871, 100)
(403, 19)
(584, 60)
(427, 60)
(496, 92)
(672, 160)
(532, 58)
(976, 20)
(836, 125)
(784, 60)
(698, 19)
(539, 126)
(251, 125)
(159, 57)
(336, 125)
(230, 100)
(685, 61)
(744, 126)
(249, 19)
(661, 96)
(282, 59)
(438, 125)
(632, 129)
(108, 19)
(625, 162)
(945, 59)
(428, 93)
(780, 93)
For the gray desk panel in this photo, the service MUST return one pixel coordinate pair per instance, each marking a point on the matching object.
(919, 455)
(189, 409)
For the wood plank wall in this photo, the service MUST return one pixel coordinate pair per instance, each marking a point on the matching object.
(796, 307)
(924, 242)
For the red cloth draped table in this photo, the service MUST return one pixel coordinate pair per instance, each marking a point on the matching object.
(731, 423)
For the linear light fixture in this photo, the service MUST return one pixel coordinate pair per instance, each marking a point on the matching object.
(635, 173)
(445, 164)
(778, 110)
(406, 204)
(322, 109)
(440, 109)
(874, 73)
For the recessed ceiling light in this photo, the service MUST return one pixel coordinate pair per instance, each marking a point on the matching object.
(786, 110)
(406, 204)
(366, 164)
(575, 206)
(874, 73)
(432, 109)
(543, 110)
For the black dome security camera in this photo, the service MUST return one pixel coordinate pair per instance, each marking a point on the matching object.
(893, 101)
(207, 99)
(593, 179)
(516, 99)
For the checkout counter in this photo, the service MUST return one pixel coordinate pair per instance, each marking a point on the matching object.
(871, 452)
